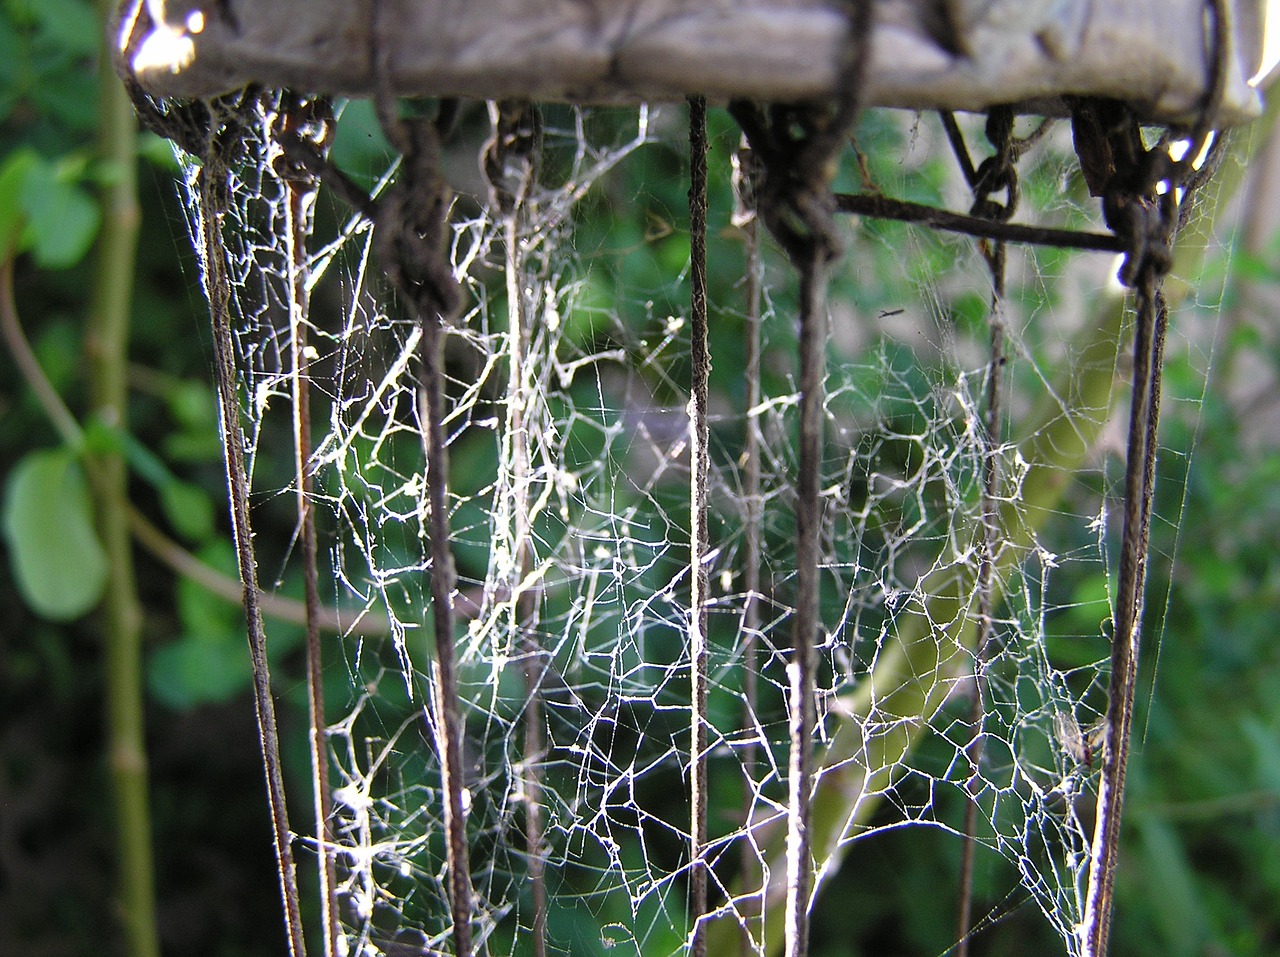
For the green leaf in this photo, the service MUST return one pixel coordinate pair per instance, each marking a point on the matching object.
(67, 98)
(1177, 910)
(970, 311)
(188, 508)
(1250, 266)
(199, 609)
(194, 408)
(360, 148)
(1266, 751)
(141, 459)
(200, 668)
(70, 25)
(62, 218)
(193, 405)
(13, 174)
(158, 152)
(21, 12)
(58, 562)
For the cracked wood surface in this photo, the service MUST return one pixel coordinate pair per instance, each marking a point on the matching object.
(927, 54)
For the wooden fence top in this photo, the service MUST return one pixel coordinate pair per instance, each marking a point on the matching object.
(926, 54)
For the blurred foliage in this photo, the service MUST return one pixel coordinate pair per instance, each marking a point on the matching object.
(1201, 871)
(58, 562)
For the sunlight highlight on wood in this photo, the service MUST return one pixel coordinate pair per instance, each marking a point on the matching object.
(926, 55)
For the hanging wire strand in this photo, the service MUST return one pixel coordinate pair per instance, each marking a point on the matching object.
(312, 119)
(509, 161)
(1000, 175)
(746, 180)
(224, 131)
(410, 233)
(700, 463)
(433, 307)
(1149, 221)
(798, 148)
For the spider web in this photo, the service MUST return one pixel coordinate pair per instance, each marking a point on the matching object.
(571, 537)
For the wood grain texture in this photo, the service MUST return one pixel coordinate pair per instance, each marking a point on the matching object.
(952, 54)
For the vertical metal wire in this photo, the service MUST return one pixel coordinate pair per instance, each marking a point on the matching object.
(699, 466)
(214, 204)
(1148, 220)
(813, 344)
(745, 178)
(509, 161)
(996, 175)
(524, 606)
(310, 119)
(1139, 487)
(798, 149)
(985, 593)
(410, 234)
(448, 720)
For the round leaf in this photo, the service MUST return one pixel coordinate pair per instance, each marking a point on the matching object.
(188, 508)
(13, 177)
(199, 669)
(61, 218)
(58, 562)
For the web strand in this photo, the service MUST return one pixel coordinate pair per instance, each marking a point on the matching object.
(617, 546)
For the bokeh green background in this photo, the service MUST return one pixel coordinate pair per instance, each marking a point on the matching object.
(1200, 876)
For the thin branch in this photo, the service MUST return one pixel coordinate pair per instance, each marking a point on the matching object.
(24, 357)
(364, 623)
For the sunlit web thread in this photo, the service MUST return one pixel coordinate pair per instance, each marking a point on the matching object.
(618, 685)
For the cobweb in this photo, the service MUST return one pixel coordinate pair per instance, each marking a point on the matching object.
(571, 538)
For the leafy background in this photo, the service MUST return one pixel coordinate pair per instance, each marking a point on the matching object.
(1201, 868)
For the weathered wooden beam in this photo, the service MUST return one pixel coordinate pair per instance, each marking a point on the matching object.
(928, 54)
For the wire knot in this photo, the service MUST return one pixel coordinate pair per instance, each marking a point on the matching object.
(1144, 222)
(998, 172)
(411, 221)
(301, 132)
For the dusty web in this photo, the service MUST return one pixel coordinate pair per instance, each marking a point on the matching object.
(569, 444)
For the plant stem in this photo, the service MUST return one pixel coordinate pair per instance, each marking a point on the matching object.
(64, 423)
(354, 622)
(107, 339)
